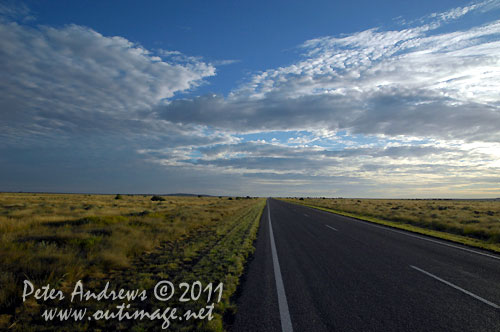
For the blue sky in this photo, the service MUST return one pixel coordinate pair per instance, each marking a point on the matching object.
(317, 98)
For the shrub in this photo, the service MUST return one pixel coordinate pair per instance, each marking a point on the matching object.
(157, 198)
(118, 196)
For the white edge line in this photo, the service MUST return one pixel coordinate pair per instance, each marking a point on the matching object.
(332, 228)
(388, 228)
(456, 287)
(286, 322)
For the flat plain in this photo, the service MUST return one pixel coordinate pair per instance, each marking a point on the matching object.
(130, 241)
(133, 242)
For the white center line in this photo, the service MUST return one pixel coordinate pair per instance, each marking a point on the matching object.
(332, 228)
(456, 287)
(286, 322)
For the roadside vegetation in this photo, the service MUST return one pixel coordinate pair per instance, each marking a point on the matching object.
(471, 222)
(131, 241)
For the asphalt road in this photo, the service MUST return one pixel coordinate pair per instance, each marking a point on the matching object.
(334, 273)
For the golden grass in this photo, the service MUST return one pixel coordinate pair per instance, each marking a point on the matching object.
(471, 222)
(59, 239)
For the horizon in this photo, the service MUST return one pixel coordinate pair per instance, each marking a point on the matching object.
(243, 196)
(389, 101)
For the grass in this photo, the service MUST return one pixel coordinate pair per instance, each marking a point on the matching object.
(471, 222)
(131, 241)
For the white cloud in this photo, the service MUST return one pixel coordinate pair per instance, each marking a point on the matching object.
(456, 13)
(74, 79)
(406, 82)
(225, 62)
(11, 10)
(399, 166)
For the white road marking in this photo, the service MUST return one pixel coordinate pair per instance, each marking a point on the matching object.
(306, 215)
(388, 228)
(332, 228)
(456, 287)
(286, 322)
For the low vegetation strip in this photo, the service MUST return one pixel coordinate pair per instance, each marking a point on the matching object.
(132, 242)
(472, 222)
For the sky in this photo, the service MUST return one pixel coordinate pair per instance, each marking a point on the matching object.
(387, 99)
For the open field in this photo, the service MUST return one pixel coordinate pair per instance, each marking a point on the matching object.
(471, 222)
(132, 242)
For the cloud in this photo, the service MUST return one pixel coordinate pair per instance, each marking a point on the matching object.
(75, 80)
(11, 11)
(255, 157)
(392, 113)
(437, 19)
(225, 62)
(401, 167)
(456, 13)
(407, 82)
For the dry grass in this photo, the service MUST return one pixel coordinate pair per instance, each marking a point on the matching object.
(477, 220)
(59, 239)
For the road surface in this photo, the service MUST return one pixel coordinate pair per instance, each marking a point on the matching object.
(317, 271)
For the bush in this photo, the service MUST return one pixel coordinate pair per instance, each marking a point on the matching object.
(157, 198)
(118, 196)
(301, 199)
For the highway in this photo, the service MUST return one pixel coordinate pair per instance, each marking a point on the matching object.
(317, 271)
